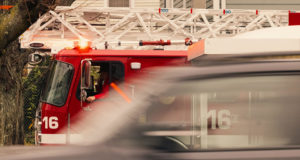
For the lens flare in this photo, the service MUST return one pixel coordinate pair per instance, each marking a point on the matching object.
(83, 44)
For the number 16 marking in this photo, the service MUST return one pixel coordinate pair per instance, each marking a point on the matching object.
(223, 118)
(52, 123)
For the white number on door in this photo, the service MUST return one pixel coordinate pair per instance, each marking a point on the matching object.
(50, 122)
(223, 119)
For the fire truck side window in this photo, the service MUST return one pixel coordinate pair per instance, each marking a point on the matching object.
(115, 73)
(58, 84)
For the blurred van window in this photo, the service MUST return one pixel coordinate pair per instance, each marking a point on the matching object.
(241, 111)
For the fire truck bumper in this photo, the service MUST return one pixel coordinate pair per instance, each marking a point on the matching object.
(53, 139)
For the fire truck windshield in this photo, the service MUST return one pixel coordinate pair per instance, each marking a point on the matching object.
(58, 83)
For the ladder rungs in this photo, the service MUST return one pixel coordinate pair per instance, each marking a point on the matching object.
(100, 25)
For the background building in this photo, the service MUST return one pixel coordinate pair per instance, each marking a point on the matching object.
(264, 4)
(118, 3)
(184, 3)
(143, 3)
(211, 4)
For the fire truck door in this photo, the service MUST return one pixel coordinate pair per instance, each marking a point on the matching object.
(85, 80)
(102, 74)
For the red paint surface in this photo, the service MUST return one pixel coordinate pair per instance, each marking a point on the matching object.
(147, 58)
(122, 53)
(294, 18)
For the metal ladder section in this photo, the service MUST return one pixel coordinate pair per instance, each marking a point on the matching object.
(123, 28)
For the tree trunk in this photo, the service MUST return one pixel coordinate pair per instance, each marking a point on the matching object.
(11, 101)
(12, 24)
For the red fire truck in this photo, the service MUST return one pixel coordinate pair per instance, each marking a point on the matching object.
(124, 41)
(71, 75)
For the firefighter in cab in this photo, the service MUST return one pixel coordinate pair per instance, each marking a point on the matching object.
(102, 85)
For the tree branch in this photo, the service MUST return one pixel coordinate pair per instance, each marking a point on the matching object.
(19, 18)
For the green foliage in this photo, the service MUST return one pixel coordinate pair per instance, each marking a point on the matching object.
(29, 138)
(94, 72)
(32, 87)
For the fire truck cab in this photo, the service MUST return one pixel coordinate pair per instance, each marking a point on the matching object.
(75, 75)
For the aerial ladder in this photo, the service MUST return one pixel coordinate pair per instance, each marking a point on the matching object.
(141, 28)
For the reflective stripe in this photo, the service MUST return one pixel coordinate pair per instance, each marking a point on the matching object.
(224, 141)
(60, 138)
(212, 140)
(53, 138)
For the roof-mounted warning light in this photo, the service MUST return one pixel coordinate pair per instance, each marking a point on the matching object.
(82, 45)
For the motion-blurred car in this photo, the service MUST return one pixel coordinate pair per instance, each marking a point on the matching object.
(236, 106)
(229, 111)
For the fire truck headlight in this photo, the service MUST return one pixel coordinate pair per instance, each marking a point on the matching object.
(35, 58)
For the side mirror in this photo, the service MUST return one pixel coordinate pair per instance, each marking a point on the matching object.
(85, 74)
